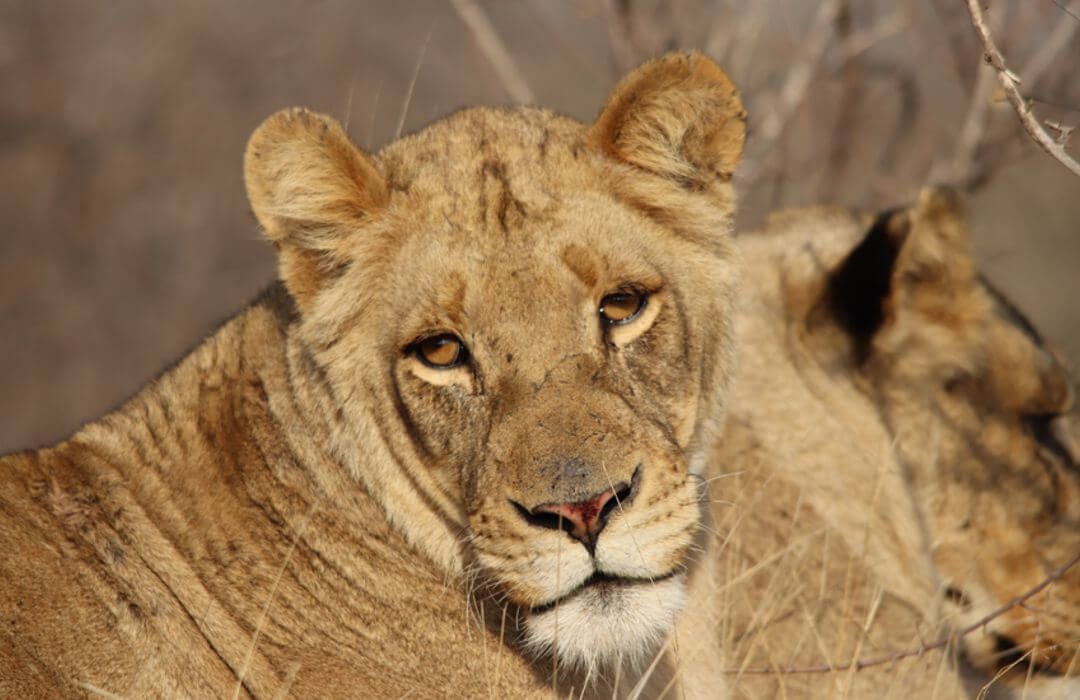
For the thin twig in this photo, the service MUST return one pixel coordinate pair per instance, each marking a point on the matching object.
(1064, 130)
(859, 664)
(794, 89)
(1075, 14)
(1049, 50)
(487, 39)
(620, 36)
(1009, 81)
(862, 40)
(741, 49)
(792, 93)
(957, 38)
(960, 169)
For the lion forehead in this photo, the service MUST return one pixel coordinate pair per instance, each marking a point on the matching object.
(528, 150)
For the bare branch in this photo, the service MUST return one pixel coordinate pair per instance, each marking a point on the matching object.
(620, 34)
(479, 24)
(958, 39)
(1049, 50)
(793, 91)
(1009, 82)
(639, 30)
(1064, 130)
(783, 105)
(961, 168)
(740, 40)
(859, 664)
(866, 38)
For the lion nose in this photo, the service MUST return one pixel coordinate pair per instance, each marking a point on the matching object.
(583, 520)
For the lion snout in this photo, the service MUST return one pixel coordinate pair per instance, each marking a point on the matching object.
(582, 519)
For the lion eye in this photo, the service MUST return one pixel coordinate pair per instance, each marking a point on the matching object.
(622, 307)
(441, 351)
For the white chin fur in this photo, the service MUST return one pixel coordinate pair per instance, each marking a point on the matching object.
(597, 628)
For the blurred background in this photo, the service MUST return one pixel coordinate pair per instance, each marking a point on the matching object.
(127, 236)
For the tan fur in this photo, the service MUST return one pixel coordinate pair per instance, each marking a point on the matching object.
(302, 507)
(880, 485)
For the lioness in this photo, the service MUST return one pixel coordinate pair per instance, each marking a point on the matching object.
(899, 461)
(483, 388)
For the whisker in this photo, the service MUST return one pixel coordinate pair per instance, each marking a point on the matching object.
(704, 482)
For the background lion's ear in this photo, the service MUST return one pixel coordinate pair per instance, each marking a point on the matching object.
(677, 116)
(911, 259)
(309, 187)
(936, 249)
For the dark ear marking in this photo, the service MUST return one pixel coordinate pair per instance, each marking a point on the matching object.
(859, 288)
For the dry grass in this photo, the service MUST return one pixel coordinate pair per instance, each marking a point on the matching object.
(127, 232)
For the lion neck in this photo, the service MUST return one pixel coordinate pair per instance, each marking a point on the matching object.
(246, 489)
(276, 439)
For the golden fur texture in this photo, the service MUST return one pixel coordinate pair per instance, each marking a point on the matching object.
(306, 505)
(303, 506)
(899, 460)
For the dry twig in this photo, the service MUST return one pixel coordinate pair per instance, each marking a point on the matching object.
(859, 664)
(780, 107)
(792, 93)
(1064, 130)
(961, 168)
(1009, 82)
(862, 40)
(476, 20)
(1049, 50)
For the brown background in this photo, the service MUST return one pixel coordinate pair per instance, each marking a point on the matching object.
(127, 236)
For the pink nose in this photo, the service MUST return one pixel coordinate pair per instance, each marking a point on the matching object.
(583, 521)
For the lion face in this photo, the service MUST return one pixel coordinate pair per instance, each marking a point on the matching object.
(521, 328)
(551, 388)
(1009, 509)
(984, 418)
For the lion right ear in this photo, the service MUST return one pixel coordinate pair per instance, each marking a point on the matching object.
(309, 188)
(677, 116)
(915, 259)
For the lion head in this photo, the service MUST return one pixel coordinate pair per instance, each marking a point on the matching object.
(520, 328)
(984, 421)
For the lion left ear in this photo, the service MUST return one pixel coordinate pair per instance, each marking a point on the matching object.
(677, 116)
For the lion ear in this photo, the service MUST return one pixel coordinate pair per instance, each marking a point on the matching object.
(309, 188)
(677, 116)
(936, 249)
(912, 258)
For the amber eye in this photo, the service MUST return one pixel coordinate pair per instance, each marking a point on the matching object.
(622, 307)
(441, 351)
